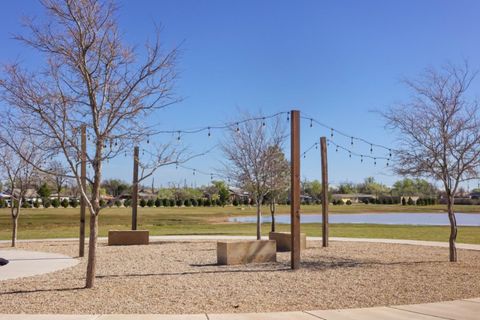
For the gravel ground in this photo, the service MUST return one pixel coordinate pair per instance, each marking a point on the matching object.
(182, 277)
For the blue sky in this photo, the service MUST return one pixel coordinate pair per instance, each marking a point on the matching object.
(337, 61)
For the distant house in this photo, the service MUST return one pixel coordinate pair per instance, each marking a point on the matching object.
(239, 194)
(475, 195)
(353, 197)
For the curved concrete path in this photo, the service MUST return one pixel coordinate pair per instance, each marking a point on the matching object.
(24, 263)
(467, 309)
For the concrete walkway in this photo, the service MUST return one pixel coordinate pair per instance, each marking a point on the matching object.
(31, 263)
(21, 264)
(468, 309)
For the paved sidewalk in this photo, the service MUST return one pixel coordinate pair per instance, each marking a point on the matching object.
(468, 309)
(24, 263)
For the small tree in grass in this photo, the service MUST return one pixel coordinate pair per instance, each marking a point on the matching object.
(55, 203)
(158, 202)
(64, 203)
(200, 202)
(47, 203)
(143, 203)
(235, 202)
(127, 202)
(74, 203)
(404, 202)
(171, 203)
(150, 203)
(118, 203)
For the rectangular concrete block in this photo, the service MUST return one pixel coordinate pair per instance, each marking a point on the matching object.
(127, 237)
(246, 251)
(284, 240)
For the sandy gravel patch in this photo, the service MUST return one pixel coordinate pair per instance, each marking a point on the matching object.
(182, 277)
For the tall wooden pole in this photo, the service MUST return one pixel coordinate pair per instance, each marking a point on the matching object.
(135, 188)
(295, 189)
(83, 181)
(323, 151)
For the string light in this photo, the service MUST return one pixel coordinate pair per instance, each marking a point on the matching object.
(263, 122)
(374, 161)
(288, 116)
(331, 132)
(371, 149)
(311, 123)
(148, 139)
(351, 141)
(178, 138)
(238, 127)
(209, 133)
(361, 158)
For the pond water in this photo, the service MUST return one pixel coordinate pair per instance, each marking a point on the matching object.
(424, 219)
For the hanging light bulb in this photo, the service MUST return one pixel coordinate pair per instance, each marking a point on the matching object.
(316, 146)
(211, 176)
(194, 171)
(390, 154)
(288, 116)
(351, 141)
(336, 149)
(311, 123)
(238, 128)
(263, 122)
(304, 156)
(143, 152)
(361, 158)
(178, 138)
(148, 139)
(371, 148)
(331, 132)
(374, 161)
(387, 163)
(125, 153)
(350, 154)
(209, 133)
(176, 165)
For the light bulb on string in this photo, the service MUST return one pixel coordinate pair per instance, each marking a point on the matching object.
(371, 148)
(148, 139)
(176, 165)
(263, 121)
(316, 146)
(288, 116)
(390, 153)
(238, 128)
(331, 132)
(374, 161)
(361, 158)
(211, 176)
(351, 141)
(311, 123)
(178, 138)
(209, 133)
(194, 171)
(304, 156)
(350, 154)
(143, 152)
(336, 149)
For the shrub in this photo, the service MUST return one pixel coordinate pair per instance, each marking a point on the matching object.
(371, 200)
(150, 203)
(158, 202)
(36, 204)
(118, 203)
(127, 202)
(194, 202)
(410, 202)
(252, 202)
(218, 202)
(389, 201)
(102, 203)
(171, 203)
(340, 202)
(143, 203)
(25, 204)
(46, 203)
(165, 202)
(179, 203)
(207, 203)
(235, 202)
(378, 201)
(187, 203)
(246, 201)
(349, 203)
(421, 202)
(74, 203)
(404, 202)
(365, 201)
(55, 203)
(200, 202)
(3, 204)
(334, 202)
(65, 203)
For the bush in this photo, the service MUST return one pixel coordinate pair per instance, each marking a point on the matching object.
(349, 203)
(158, 202)
(207, 203)
(246, 201)
(171, 203)
(36, 204)
(187, 203)
(55, 203)
(334, 202)
(150, 203)
(179, 203)
(102, 203)
(200, 202)
(404, 202)
(410, 202)
(74, 203)
(118, 203)
(235, 202)
(127, 202)
(143, 203)
(218, 202)
(421, 202)
(194, 202)
(65, 203)
(46, 203)
(25, 204)
(3, 204)
(340, 202)
(165, 202)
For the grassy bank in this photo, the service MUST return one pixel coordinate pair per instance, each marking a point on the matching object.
(59, 223)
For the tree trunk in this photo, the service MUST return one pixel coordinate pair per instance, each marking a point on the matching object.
(272, 211)
(14, 229)
(259, 219)
(453, 230)
(92, 248)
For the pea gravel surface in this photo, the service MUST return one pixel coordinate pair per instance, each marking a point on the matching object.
(182, 277)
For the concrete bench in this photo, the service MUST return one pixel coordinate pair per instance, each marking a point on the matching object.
(127, 237)
(284, 240)
(248, 251)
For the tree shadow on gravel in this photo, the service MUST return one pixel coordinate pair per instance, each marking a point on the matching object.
(335, 263)
(41, 290)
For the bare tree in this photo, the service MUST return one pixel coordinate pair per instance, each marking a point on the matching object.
(439, 133)
(90, 78)
(20, 173)
(59, 175)
(278, 178)
(248, 150)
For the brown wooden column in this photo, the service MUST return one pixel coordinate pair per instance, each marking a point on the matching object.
(83, 181)
(135, 188)
(295, 189)
(323, 153)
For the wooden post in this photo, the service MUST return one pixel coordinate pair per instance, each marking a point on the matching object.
(135, 188)
(323, 152)
(83, 181)
(295, 189)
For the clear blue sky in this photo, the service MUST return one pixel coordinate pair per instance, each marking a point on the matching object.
(334, 60)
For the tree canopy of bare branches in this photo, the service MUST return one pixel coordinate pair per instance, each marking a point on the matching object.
(249, 151)
(439, 133)
(90, 77)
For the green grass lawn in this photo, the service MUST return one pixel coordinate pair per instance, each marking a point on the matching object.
(60, 223)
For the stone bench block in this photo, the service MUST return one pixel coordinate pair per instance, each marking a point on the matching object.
(127, 237)
(248, 251)
(284, 242)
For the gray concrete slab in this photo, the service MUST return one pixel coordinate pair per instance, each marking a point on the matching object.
(263, 316)
(153, 317)
(474, 300)
(369, 313)
(47, 317)
(458, 309)
(31, 263)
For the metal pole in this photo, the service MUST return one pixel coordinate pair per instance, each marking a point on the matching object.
(323, 151)
(135, 188)
(295, 189)
(83, 181)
